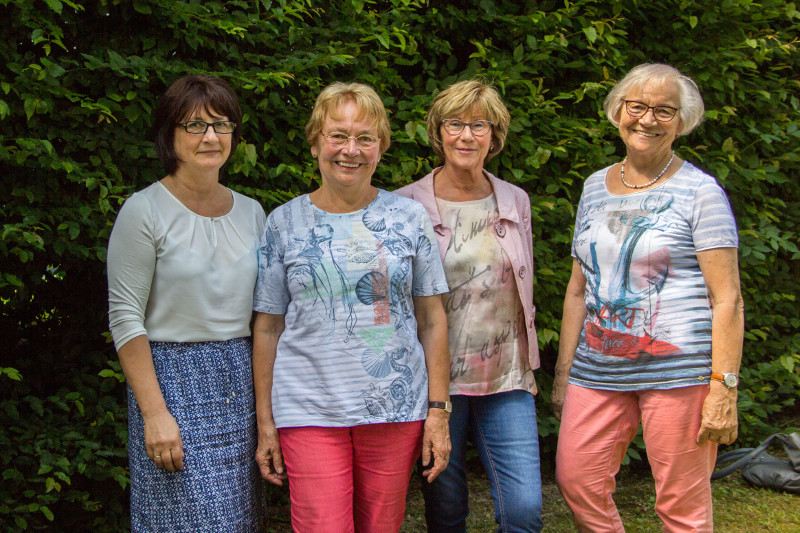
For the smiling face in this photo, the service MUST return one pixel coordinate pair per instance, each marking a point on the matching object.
(645, 135)
(466, 151)
(349, 165)
(202, 152)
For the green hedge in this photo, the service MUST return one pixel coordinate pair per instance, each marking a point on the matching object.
(79, 81)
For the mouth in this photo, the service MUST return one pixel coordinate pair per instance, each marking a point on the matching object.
(348, 164)
(645, 134)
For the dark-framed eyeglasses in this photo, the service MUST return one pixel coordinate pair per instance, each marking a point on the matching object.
(662, 113)
(479, 128)
(339, 139)
(200, 127)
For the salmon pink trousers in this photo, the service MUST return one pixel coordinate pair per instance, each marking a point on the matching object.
(596, 428)
(350, 479)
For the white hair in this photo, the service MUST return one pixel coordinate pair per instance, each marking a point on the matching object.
(691, 103)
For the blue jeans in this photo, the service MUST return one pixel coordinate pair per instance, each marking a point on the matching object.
(505, 434)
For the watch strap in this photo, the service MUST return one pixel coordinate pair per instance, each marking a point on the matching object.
(445, 406)
(729, 379)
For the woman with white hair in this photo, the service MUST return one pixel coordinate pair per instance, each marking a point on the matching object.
(653, 316)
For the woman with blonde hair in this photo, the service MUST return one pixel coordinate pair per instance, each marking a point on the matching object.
(350, 338)
(483, 231)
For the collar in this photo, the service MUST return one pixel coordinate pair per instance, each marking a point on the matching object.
(503, 192)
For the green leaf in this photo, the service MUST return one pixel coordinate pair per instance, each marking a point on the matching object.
(47, 513)
(55, 5)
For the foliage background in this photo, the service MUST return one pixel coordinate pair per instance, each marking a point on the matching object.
(79, 80)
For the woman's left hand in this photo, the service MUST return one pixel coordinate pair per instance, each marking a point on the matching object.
(435, 444)
(719, 418)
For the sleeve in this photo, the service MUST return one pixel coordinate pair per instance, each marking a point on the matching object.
(526, 206)
(271, 292)
(713, 224)
(131, 263)
(579, 223)
(428, 272)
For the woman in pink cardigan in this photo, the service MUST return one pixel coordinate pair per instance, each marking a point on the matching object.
(483, 229)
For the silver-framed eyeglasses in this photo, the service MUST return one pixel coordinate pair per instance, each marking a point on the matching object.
(200, 127)
(479, 128)
(662, 113)
(339, 139)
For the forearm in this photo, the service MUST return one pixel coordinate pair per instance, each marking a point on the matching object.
(572, 318)
(136, 360)
(437, 361)
(721, 274)
(727, 337)
(432, 334)
(572, 321)
(266, 332)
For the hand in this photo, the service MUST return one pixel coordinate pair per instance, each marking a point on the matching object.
(268, 455)
(719, 422)
(558, 394)
(162, 439)
(436, 443)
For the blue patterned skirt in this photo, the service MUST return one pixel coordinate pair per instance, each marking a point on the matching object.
(208, 388)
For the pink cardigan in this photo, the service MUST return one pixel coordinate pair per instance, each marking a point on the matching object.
(513, 233)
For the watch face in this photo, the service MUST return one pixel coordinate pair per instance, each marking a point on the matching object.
(730, 380)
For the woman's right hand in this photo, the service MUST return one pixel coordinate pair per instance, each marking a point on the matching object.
(268, 455)
(162, 438)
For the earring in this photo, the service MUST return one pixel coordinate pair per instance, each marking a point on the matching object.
(491, 147)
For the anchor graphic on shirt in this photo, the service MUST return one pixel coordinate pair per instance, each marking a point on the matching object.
(620, 310)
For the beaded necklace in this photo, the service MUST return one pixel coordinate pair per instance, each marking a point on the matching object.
(649, 183)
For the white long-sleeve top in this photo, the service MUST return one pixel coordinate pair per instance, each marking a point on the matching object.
(176, 276)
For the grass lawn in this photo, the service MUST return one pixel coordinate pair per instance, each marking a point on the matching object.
(738, 507)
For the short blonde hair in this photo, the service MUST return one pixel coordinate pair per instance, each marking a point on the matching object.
(331, 99)
(691, 103)
(460, 98)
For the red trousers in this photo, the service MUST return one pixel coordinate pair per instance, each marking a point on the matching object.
(353, 479)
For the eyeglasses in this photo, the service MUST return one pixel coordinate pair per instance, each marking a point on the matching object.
(479, 128)
(662, 113)
(200, 127)
(339, 139)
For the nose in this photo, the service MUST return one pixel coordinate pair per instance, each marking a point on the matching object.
(350, 146)
(210, 135)
(467, 132)
(649, 117)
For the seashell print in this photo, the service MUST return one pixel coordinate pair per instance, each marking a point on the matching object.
(423, 245)
(373, 221)
(377, 365)
(372, 287)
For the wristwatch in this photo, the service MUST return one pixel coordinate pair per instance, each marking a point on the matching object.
(447, 406)
(730, 379)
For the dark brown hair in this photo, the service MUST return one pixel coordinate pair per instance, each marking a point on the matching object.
(184, 96)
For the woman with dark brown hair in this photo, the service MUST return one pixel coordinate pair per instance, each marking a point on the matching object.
(181, 270)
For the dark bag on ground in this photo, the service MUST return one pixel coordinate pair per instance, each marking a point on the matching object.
(762, 469)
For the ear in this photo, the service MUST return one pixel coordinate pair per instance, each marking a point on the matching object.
(314, 152)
